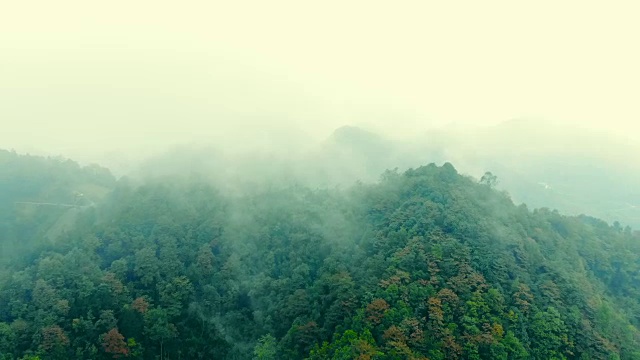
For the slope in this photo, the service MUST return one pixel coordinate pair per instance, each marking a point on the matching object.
(424, 264)
(41, 196)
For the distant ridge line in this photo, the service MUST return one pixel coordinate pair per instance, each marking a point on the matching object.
(52, 204)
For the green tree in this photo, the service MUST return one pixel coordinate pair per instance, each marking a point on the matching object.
(266, 348)
(158, 328)
(489, 179)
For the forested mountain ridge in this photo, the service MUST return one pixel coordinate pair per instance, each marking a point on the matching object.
(41, 196)
(540, 164)
(546, 164)
(424, 264)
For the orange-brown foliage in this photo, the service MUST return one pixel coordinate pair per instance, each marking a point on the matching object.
(376, 310)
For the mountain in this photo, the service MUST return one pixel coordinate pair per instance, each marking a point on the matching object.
(40, 197)
(422, 264)
(541, 164)
(347, 155)
(350, 153)
(574, 170)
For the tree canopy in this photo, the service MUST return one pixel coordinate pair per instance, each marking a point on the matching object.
(424, 264)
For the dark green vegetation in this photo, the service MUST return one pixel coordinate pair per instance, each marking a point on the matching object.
(425, 264)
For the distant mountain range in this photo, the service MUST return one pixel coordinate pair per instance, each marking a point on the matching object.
(574, 170)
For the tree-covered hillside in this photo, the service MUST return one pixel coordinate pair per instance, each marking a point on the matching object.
(425, 264)
(568, 168)
(41, 197)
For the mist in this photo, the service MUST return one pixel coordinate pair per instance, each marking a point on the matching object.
(115, 82)
(292, 180)
(333, 94)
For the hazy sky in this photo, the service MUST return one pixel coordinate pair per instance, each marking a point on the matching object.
(86, 75)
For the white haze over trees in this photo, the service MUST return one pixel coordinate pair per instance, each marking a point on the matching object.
(319, 180)
(541, 94)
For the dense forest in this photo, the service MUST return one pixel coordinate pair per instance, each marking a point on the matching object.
(425, 263)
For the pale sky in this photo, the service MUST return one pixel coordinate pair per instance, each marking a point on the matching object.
(87, 76)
